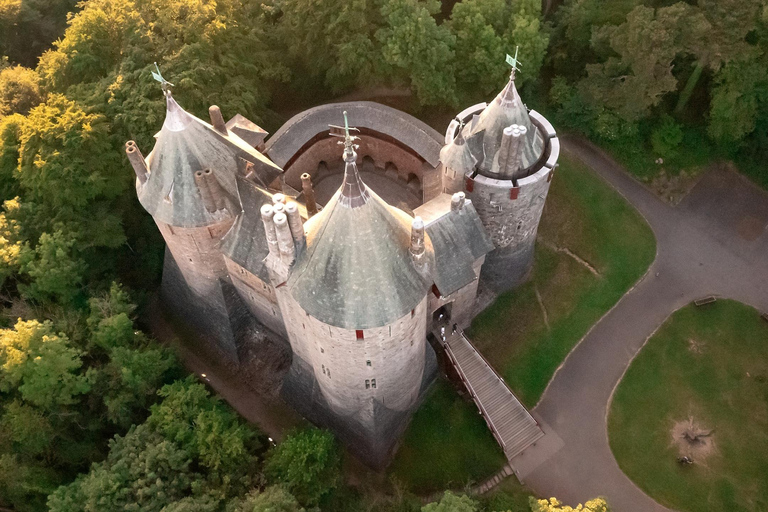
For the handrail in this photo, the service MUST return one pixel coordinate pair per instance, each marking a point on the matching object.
(479, 404)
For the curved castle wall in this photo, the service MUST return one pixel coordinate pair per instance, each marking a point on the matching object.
(192, 283)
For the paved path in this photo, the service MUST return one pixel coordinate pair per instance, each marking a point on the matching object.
(713, 243)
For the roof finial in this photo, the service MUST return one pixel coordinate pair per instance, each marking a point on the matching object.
(165, 85)
(512, 61)
(349, 145)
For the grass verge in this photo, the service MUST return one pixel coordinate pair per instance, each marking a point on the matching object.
(709, 364)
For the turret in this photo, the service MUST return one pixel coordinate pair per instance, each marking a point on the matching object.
(188, 185)
(355, 309)
(502, 156)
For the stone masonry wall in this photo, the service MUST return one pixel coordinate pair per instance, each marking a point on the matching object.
(344, 365)
(258, 296)
(463, 300)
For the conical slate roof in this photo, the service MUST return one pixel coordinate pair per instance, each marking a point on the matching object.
(457, 156)
(356, 271)
(185, 145)
(484, 135)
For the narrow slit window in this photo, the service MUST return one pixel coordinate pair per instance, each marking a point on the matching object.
(367, 383)
(373, 383)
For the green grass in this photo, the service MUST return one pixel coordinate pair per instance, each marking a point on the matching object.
(589, 218)
(723, 385)
(455, 451)
(448, 444)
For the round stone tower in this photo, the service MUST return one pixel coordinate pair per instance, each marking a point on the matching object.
(502, 156)
(357, 310)
(187, 183)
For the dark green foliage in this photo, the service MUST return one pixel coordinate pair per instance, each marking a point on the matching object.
(191, 453)
(666, 137)
(272, 499)
(307, 463)
(452, 503)
(28, 27)
(63, 395)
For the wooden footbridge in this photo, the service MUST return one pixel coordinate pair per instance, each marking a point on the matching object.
(511, 424)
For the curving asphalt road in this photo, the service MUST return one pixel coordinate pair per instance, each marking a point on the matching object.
(713, 243)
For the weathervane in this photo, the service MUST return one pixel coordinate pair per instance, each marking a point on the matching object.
(512, 61)
(165, 85)
(338, 131)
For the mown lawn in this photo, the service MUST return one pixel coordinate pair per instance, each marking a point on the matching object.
(709, 364)
(447, 444)
(589, 219)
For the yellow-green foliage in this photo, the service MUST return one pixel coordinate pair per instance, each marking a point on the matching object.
(554, 505)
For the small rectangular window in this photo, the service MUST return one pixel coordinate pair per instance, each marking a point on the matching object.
(367, 384)
(322, 350)
(323, 369)
(413, 312)
(359, 334)
(329, 373)
(368, 363)
(373, 383)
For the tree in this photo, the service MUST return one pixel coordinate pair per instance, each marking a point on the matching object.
(721, 39)
(646, 44)
(452, 503)
(554, 505)
(28, 27)
(307, 463)
(190, 454)
(41, 365)
(272, 499)
(418, 49)
(332, 41)
(738, 99)
(55, 271)
(19, 90)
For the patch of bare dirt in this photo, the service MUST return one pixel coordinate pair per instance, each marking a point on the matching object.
(750, 227)
(693, 440)
(673, 188)
(697, 347)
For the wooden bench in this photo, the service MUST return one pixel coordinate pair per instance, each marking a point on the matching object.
(705, 300)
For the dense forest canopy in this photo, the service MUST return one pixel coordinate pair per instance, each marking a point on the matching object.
(94, 414)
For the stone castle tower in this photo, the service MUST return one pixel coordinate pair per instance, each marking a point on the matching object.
(350, 285)
(503, 157)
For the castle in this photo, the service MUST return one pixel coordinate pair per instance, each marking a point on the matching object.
(333, 265)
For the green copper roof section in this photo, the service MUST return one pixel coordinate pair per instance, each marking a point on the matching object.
(185, 145)
(246, 243)
(356, 271)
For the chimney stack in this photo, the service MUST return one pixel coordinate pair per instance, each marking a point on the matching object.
(295, 222)
(457, 201)
(417, 241)
(267, 214)
(217, 120)
(511, 146)
(205, 191)
(137, 161)
(216, 190)
(309, 194)
(284, 238)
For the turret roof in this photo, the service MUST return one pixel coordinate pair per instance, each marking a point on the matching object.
(185, 145)
(485, 135)
(356, 271)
